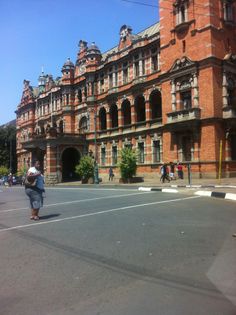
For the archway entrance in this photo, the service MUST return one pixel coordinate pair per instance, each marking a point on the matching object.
(70, 158)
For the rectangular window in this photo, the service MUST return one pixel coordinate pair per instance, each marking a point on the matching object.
(186, 99)
(156, 151)
(114, 155)
(125, 72)
(136, 69)
(141, 152)
(103, 156)
(228, 12)
(125, 76)
(116, 78)
(143, 66)
(102, 86)
(110, 80)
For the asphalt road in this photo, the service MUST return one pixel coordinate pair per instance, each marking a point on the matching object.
(117, 252)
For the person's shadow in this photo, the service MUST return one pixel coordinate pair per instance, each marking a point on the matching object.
(49, 216)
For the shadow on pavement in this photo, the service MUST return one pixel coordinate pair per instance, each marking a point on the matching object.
(49, 216)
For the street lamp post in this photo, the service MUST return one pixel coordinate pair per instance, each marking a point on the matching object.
(10, 155)
(96, 176)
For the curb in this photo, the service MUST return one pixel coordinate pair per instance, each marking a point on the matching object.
(167, 190)
(216, 194)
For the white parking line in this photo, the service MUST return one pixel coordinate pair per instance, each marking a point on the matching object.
(95, 213)
(74, 201)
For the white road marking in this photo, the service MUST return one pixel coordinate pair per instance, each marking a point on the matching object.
(74, 201)
(95, 213)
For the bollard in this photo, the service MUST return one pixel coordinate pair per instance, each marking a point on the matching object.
(189, 175)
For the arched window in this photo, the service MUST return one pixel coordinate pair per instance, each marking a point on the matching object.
(156, 104)
(114, 116)
(126, 112)
(83, 125)
(103, 119)
(140, 108)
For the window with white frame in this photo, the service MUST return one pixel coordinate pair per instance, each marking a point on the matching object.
(125, 72)
(156, 151)
(154, 59)
(103, 156)
(181, 10)
(186, 99)
(101, 83)
(141, 154)
(228, 10)
(110, 78)
(114, 155)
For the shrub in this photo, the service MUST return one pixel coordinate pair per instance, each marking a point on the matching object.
(85, 169)
(128, 163)
(22, 171)
(3, 170)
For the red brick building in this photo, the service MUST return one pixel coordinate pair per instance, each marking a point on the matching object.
(168, 91)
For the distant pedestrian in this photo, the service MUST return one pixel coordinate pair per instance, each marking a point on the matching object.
(10, 179)
(34, 188)
(180, 171)
(172, 171)
(111, 174)
(164, 173)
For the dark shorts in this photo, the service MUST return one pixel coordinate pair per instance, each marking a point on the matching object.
(35, 197)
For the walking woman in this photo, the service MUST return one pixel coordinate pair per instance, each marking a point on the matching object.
(34, 188)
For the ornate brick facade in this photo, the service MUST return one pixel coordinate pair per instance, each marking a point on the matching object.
(169, 92)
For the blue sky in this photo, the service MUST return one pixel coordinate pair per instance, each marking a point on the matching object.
(36, 33)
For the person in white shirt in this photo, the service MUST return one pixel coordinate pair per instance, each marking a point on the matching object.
(34, 188)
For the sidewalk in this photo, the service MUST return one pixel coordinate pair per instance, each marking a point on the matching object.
(224, 188)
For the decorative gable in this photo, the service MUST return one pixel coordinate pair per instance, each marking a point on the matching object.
(181, 64)
(27, 95)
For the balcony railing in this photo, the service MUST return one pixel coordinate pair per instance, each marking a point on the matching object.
(229, 112)
(184, 115)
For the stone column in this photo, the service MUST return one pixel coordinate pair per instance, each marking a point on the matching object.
(148, 110)
(108, 117)
(120, 118)
(195, 91)
(140, 66)
(133, 114)
(173, 96)
(225, 90)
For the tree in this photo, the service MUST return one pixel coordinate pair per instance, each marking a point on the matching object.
(85, 169)
(128, 163)
(3, 171)
(8, 147)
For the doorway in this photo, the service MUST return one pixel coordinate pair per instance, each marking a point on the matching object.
(70, 158)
